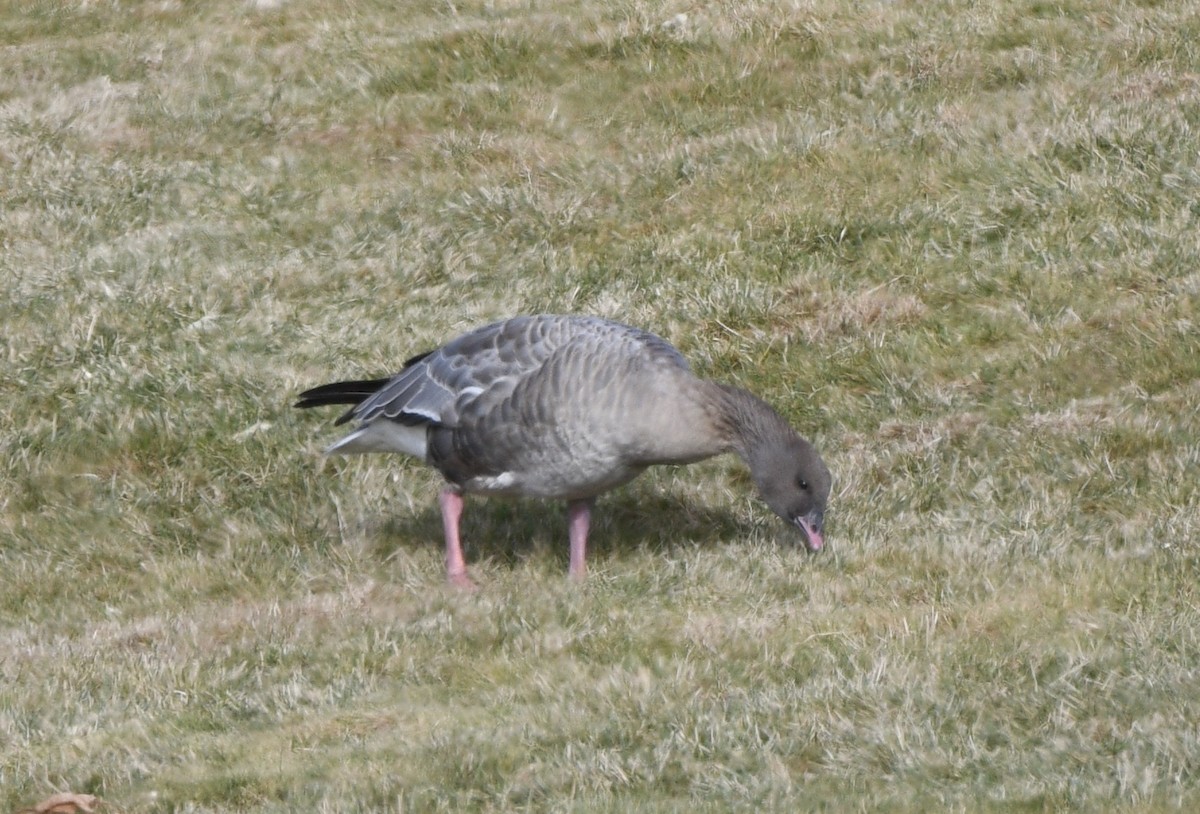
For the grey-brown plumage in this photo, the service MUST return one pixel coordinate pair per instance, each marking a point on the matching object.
(569, 407)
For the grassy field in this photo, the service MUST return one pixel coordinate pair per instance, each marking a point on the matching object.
(956, 243)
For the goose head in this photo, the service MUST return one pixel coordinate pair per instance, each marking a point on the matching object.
(794, 483)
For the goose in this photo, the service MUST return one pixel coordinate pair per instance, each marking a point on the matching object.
(566, 408)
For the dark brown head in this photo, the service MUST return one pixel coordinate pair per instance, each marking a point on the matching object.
(788, 471)
(794, 482)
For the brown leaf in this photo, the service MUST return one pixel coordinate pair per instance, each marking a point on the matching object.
(65, 803)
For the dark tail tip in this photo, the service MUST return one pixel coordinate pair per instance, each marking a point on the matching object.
(354, 392)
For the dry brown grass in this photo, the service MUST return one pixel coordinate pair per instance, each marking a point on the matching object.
(955, 243)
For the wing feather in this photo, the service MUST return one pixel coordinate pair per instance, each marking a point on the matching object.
(486, 363)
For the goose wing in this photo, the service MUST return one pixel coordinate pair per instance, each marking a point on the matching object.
(475, 371)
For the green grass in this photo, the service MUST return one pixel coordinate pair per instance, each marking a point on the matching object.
(958, 244)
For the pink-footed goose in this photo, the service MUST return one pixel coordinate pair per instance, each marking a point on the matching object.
(568, 407)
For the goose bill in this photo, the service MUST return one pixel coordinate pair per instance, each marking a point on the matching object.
(812, 537)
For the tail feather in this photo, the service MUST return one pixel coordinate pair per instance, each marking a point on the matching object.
(354, 392)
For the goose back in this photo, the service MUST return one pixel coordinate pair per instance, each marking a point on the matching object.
(545, 406)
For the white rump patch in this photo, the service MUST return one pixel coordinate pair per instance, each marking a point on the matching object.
(383, 435)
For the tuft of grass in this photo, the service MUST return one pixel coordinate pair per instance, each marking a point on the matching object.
(955, 243)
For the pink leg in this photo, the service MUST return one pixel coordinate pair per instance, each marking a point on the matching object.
(456, 567)
(579, 514)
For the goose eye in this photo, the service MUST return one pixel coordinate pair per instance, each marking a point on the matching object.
(802, 483)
